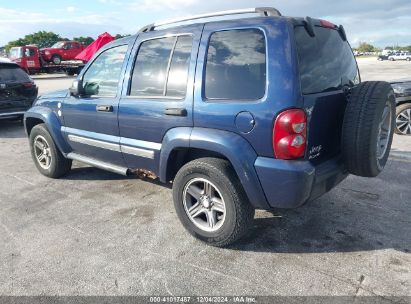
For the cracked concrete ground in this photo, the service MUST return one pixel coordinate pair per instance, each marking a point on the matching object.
(97, 233)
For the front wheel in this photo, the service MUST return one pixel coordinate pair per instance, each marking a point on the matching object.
(210, 201)
(46, 156)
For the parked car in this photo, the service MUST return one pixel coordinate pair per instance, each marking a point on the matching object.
(62, 51)
(17, 91)
(224, 113)
(402, 92)
(382, 57)
(400, 56)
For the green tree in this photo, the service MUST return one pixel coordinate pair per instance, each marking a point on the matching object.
(84, 40)
(41, 39)
(365, 47)
(119, 36)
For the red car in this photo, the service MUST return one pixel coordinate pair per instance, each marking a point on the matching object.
(62, 51)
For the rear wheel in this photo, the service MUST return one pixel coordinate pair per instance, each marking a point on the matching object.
(408, 59)
(56, 59)
(210, 201)
(368, 127)
(46, 156)
(403, 119)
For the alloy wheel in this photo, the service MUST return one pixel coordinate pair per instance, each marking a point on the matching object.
(42, 152)
(403, 121)
(204, 204)
(384, 131)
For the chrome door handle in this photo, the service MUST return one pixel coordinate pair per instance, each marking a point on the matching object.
(175, 112)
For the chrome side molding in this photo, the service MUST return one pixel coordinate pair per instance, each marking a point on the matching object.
(98, 164)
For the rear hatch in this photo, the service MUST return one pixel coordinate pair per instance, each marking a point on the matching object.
(327, 70)
(17, 90)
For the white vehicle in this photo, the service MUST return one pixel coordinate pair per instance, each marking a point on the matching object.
(400, 56)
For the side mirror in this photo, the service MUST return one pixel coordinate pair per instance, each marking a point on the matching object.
(76, 88)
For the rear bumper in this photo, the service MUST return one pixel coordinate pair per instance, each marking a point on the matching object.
(289, 184)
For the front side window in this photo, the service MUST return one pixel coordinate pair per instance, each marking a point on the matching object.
(236, 65)
(103, 75)
(161, 68)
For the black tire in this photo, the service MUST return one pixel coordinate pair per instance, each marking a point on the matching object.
(70, 73)
(408, 59)
(58, 165)
(400, 127)
(361, 128)
(56, 59)
(239, 213)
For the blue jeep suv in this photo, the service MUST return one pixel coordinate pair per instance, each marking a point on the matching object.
(252, 112)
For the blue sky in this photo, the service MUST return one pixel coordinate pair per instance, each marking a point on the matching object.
(375, 21)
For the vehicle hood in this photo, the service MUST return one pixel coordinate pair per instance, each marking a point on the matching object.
(55, 94)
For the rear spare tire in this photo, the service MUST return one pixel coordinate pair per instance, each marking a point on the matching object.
(368, 127)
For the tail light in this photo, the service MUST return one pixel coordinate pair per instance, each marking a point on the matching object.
(290, 134)
(28, 85)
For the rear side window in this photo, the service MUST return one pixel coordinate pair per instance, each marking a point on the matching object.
(13, 74)
(236, 65)
(326, 61)
(161, 68)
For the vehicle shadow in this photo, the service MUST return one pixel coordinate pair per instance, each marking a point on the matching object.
(350, 218)
(12, 129)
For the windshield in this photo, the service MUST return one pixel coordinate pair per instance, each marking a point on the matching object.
(58, 45)
(16, 52)
(326, 61)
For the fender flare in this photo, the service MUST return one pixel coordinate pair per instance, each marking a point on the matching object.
(49, 117)
(231, 145)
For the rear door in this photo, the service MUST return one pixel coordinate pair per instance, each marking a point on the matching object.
(327, 69)
(158, 95)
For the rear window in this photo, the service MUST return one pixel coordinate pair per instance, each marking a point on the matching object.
(326, 61)
(13, 74)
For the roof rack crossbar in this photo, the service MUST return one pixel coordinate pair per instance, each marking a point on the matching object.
(264, 11)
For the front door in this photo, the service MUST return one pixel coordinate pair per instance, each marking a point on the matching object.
(159, 94)
(90, 121)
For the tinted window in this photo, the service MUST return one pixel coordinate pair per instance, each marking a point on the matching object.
(326, 61)
(13, 74)
(236, 65)
(180, 62)
(103, 75)
(150, 69)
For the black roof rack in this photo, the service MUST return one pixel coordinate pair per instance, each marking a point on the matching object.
(264, 11)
